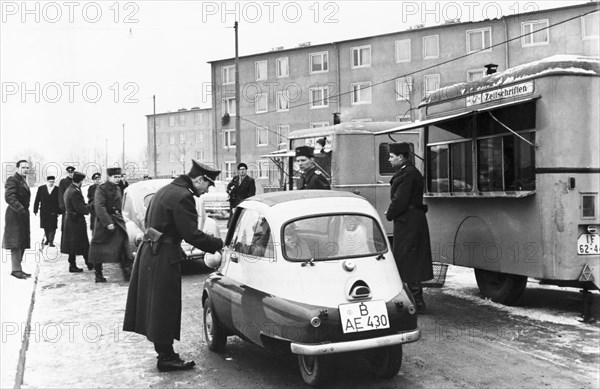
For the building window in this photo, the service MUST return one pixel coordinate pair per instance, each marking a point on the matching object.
(282, 98)
(181, 138)
(474, 75)
(172, 157)
(171, 120)
(228, 138)
(228, 106)
(198, 118)
(431, 48)
(361, 57)
(200, 155)
(199, 136)
(361, 93)
(403, 51)
(260, 103)
(319, 97)
(260, 70)
(319, 124)
(228, 75)
(172, 139)
(263, 168)
(283, 131)
(480, 39)
(534, 36)
(229, 169)
(319, 62)
(404, 88)
(589, 26)
(262, 136)
(431, 83)
(182, 120)
(282, 65)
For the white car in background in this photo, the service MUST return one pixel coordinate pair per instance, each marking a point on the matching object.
(216, 201)
(135, 203)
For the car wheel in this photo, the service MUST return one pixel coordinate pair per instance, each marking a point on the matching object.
(386, 361)
(214, 333)
(501, 288)
(315, 369)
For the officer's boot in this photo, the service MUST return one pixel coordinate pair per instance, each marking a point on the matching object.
(171, 362)
(72, 266)
(417, 291)
(98, 270)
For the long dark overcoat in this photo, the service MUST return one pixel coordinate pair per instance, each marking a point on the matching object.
(90, 196)
(74, 238)
(107, 245)
(16, 219)
(412, 250)
(313, 178)
(238, 192)
(63, 185)
(154, 298)
(46, 202)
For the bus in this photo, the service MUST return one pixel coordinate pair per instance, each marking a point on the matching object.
(511, 169)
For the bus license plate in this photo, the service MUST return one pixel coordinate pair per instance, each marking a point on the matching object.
(364, 316)
(588, 244)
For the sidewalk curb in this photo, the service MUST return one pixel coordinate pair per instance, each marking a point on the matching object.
(25, 343)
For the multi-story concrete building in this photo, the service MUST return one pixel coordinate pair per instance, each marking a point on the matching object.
(376, 78)
(180, 136)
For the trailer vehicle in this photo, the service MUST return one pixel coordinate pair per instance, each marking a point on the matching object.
(511, 166)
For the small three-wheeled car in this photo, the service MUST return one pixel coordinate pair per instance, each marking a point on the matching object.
(310, 272)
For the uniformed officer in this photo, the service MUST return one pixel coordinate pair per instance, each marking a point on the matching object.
(154, 298)
(63, 185)
(412, 250)
(96, 177)
(311, 177)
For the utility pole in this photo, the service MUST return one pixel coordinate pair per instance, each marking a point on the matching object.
(238, 132)
(123, 159)
(154, 134)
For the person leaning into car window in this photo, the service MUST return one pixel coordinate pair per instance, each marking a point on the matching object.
(240, 188)
(311, 177)
(153, 304)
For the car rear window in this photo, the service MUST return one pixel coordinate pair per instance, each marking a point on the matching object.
(328, 237)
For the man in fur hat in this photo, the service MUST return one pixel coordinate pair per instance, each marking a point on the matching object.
(154, 298)
(74, 240)
(412, 250)
(311, 177)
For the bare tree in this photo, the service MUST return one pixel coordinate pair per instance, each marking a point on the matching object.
(183, 150)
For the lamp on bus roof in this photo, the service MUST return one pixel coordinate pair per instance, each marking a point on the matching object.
(491, 68)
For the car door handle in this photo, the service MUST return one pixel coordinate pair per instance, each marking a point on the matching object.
(234, 257)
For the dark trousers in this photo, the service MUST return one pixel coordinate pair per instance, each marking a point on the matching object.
(164, 349)
(416, 289)
(16, 257)
(72, 259)
(49, 234)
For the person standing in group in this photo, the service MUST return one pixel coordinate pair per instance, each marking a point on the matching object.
(74, 240)
(16, 220)
(46, 201)
(411, 245)
(311, 177)
(154, 298)
(63, 185)
(90, 196)
(123, 184)
(240, 188)
(109, 241)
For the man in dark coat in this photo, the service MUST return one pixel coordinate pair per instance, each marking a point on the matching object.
(16, 220)
(74, 240)
(154, 298)
(109, 241)
(311, 177)
(90, 196)
(240, 188)
(46, 201)
(412, 250)
(63, 185)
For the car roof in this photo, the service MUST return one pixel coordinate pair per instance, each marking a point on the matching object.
(273, 198)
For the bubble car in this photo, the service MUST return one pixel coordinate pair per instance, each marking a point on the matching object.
(310, 272)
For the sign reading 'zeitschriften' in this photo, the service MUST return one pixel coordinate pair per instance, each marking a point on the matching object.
(522, 89)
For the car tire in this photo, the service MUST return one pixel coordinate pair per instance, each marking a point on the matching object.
(501, 288)
(386, 361)
(214, 334)
(315, 369)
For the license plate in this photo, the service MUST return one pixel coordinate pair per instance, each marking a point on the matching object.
(364, 316)
(588, 244)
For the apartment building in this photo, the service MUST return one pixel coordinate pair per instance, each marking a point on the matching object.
(376, 78)
(180, 136)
